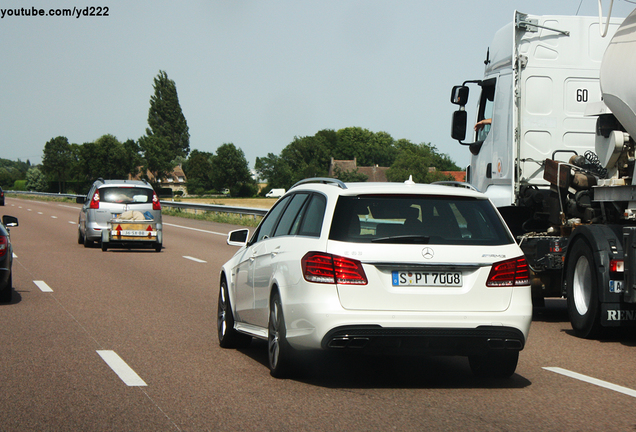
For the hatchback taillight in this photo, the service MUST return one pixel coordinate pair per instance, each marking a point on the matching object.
(4, 245)
(330, 269)
(513, 272)
(95, 200)
(156, 205)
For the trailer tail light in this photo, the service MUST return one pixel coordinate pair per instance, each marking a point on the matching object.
(4, 245)
(95, 200)
(156, 205)
(617, 266)
(331, 269)
(513, 272)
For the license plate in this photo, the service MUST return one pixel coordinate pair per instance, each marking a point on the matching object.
(136, 233)
(427, 278)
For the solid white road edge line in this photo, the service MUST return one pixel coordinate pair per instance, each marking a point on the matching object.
(121, 368)
(43, 286)
(595, 381)
(195, 229)
(194, 259)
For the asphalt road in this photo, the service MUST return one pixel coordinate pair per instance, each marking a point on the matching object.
(126, 340)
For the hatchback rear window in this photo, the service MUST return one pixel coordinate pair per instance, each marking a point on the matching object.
(417, 219)
(125, 195)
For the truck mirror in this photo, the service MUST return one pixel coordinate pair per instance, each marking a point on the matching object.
(459, 95)
(458, 128)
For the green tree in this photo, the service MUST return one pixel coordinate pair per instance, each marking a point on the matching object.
(350, 176)
(198, 169)
(231, 170)
(367, 147)
(165, 118)
(107, 158)
(415, 160)
(58, 161)
(275, 170)
(36, 180)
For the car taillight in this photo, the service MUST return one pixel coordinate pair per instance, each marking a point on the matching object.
(513, 272)
(330, 269)
(4, 245)
(156, 205)
(95, 200)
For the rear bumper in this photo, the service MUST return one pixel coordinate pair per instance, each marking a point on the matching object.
(437, 341)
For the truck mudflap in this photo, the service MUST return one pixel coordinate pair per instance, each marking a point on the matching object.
(618, 315)
(629, 259)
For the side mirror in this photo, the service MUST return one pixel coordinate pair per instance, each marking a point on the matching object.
(458, 128)
(238, 237)
(10, 221)
(80, 200)
(459, 95)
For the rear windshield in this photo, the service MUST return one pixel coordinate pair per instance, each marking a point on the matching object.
(417, 219)
(125, 195)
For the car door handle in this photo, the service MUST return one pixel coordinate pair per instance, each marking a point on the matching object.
(275, 251)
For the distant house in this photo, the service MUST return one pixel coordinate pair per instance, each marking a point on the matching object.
(374, 173)
(176, 180)
(378, 173)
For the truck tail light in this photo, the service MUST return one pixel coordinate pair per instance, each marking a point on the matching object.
(95, 200)
(4, 245)
(512, 272)
(331, 269)
(156, 205)
(617, 266)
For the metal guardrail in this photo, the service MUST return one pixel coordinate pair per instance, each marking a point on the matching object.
(216, 208)
(248, 211)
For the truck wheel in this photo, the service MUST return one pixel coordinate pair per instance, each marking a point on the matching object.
(104, 246)
(582, 290)
(228, 337)
(158, 247)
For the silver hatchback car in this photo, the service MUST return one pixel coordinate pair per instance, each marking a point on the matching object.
(109, 199)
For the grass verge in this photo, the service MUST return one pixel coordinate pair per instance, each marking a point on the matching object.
(234, 219)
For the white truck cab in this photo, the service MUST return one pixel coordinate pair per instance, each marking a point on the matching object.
(541, 73)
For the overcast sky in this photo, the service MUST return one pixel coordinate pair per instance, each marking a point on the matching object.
(252, 73)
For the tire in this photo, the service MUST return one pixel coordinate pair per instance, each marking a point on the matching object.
(279, 352)
(104, 246)
(87, 243)
(6, 294)
(582, 291)
(80, 237)
(228, 336)
(495, 364)
(158, 247)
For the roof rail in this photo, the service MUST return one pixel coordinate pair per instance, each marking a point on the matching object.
(323, 180)
(456, 184)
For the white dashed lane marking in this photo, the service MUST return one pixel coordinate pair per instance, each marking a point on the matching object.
(591, 380)
(43, 286)
(121, 368)
(194, 259)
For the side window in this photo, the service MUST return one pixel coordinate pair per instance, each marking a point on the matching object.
(312, 221)
(267, 226)
(291, 214)
(486, 104)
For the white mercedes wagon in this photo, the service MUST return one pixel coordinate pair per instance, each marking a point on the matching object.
(382, 268)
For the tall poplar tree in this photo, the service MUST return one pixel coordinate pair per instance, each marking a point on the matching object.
(167, 136)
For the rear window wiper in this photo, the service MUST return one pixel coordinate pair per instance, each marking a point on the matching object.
(405, 239)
